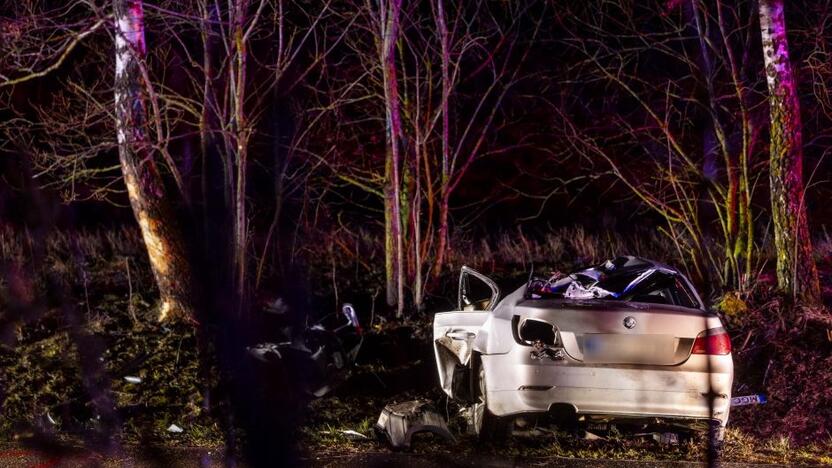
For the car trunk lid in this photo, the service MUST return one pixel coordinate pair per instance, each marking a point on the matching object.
(615, 332)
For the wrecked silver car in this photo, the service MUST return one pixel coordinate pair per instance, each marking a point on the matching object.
(624, 342)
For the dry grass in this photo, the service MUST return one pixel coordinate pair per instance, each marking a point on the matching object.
(564, 246)
(83, 263)
(354, 260)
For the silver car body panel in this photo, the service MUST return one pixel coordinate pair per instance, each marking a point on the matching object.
(606, 370)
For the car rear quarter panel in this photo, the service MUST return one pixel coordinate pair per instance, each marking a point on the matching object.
(516, 383)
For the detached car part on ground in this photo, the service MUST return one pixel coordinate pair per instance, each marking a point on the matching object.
(319, 356)
(627, 342)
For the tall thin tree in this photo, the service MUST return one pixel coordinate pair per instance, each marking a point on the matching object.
(388, 20)
(796, 271)
(442, 32)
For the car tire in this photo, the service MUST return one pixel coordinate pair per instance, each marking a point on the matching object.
(484, 424)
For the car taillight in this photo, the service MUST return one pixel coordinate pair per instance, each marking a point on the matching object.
(712, 342)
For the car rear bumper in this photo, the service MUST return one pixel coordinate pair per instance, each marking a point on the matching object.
(700, 388)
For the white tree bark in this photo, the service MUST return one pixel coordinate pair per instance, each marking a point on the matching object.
(796, 271)
(389, 13)
(145, 188)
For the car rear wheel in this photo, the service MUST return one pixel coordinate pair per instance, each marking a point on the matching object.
(484, 424)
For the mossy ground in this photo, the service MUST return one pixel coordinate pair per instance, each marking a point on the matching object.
(46, 391)
(87, 322)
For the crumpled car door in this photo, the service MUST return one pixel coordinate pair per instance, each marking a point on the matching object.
(453, 342)
(454, 332)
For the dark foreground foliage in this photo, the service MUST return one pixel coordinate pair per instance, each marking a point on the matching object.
(105, 314)
(786, 353)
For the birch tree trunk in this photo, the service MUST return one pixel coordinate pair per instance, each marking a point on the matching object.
(442, 29)
(389, 29)
(160, 231)
(240, 129)
(796, 271)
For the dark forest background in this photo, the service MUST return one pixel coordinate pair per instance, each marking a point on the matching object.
(330, 151)
(535, 89)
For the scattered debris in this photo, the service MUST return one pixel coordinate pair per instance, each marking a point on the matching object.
(599, 426)
(398, 422)
(175, 429)
(592, 436)
(666, 438)
(600, 282)
(265, 352)
(663, 438)
(132, 379)
(541, 350)
(353, 435)
(758, 399)
(324, 353)
(277, 307)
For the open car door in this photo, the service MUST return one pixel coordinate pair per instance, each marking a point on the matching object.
(454, 332)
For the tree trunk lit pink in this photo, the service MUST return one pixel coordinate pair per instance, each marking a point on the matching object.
(389, 30)
(796, 271)
(162, 237)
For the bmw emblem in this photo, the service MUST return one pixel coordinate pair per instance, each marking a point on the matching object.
(629, 322)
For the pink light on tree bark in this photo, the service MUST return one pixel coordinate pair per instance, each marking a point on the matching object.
(796, 271)
(161, 234)
(389, 12)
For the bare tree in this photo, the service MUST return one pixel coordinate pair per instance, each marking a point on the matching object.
(237, 139)
(79, 125)
(451, 89)
(36, 45)
(38, 42)
(387, 20)
(796, 271)
(651, 118)
(503, 63)
(445, 51)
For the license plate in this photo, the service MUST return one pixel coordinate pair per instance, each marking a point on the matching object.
(629, 349)
(748, 400)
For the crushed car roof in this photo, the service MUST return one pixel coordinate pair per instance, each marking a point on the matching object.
(625, 278)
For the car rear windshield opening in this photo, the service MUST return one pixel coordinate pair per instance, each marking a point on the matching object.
(652, 284)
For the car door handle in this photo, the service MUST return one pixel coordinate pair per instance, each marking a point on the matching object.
(461, 335)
